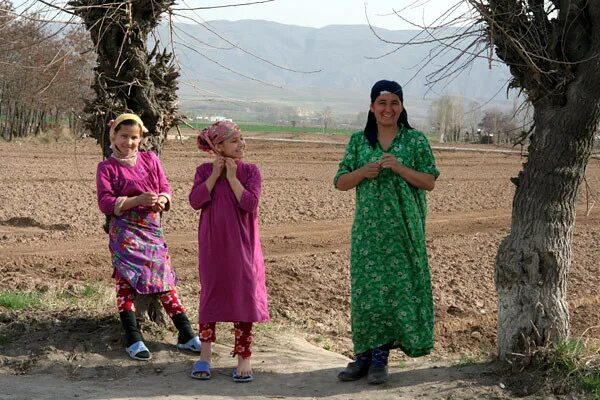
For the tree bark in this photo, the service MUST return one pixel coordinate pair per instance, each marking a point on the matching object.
(533, 261)
(127, 76)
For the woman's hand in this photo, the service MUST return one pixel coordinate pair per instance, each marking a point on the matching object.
(218, 166)
(231, 167)
(390, 161)
(370, 170)
(147, 199)
(160, 204)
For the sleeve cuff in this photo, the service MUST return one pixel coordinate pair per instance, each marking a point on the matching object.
(119, 205)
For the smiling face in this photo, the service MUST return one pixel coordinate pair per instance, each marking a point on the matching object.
(233, 147)
(387, 108)
(128, 138)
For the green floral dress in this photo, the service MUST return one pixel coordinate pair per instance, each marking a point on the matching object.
(390, 279)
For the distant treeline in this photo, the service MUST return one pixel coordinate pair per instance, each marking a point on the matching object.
(44, 74)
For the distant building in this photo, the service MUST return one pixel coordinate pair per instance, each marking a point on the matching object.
(215, 118)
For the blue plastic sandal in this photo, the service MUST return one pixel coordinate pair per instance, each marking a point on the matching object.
(192, 345)
(241, 378)
(201, 367)
(138, 351)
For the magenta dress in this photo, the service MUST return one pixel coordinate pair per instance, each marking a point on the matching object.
(231, 265)
(136, 240)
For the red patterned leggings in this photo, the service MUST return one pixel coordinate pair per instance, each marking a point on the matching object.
(243, 337)
(125, 295)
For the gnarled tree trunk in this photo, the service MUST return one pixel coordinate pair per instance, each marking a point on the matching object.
(553, 51)
(127, 76)
(533, 261)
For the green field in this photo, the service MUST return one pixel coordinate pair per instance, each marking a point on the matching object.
(252, 128)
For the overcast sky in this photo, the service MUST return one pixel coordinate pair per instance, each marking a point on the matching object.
(319, 13)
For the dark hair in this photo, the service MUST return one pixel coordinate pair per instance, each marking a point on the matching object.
(371, 126)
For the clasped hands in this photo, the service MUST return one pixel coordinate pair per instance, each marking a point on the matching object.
(371, 170)
(226, 163)
(152, 200)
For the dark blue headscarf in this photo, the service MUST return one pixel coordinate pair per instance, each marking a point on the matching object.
(371, 127)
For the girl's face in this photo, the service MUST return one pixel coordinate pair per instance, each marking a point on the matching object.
(128, 138)
(387, 108)
(233, 148)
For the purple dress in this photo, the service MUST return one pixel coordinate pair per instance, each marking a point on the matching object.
(231, 265)
(136, 240)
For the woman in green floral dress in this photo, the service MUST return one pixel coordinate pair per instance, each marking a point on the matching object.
(391, 166)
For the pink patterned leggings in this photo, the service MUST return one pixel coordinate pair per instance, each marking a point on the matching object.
(125, 295)
(243, 337)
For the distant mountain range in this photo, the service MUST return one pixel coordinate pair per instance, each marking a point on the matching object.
(349, 59)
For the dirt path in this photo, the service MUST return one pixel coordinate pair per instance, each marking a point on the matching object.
(286, 367)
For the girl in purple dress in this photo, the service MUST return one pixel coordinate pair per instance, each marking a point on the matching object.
(231, 266)
(133, 190)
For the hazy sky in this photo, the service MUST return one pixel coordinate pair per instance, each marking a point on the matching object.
(319, 13)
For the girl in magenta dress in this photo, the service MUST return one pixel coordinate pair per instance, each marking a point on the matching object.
(133, 190)
(231, 266)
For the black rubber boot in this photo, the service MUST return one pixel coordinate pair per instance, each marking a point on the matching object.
(132, 334)
(356, 369)
(182, 323)
(130, 326)
(378, 371)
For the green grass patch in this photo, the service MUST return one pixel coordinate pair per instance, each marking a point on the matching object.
(567, 354)
(90, 292)
(576, 365)
(88, 297)
(591, 384)
(20, 300)
(264, 327)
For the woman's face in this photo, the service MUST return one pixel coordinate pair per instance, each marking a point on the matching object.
(128, 138)
(233, 148)
(387, 108)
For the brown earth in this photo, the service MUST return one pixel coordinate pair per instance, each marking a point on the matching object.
(51, 241)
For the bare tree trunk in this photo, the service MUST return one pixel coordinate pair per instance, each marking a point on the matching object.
(534, 259)
(150, 308)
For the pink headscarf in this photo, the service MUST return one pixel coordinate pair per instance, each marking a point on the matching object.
(217, 133)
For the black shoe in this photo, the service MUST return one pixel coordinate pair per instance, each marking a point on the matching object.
(354, 371)
(377, 375)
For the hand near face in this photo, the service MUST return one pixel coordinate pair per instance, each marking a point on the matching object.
(390, 161)
(371, 170)
(231, 167)
(218, 165)
(147, 199)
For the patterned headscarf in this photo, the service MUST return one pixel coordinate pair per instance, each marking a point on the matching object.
(215, 134)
